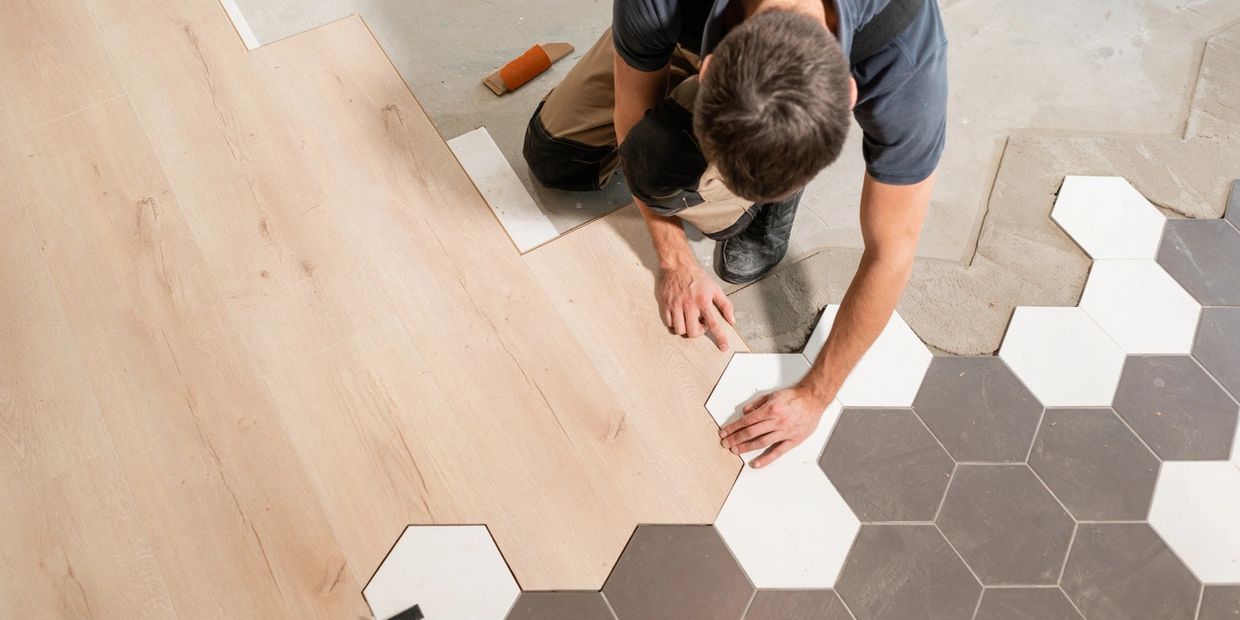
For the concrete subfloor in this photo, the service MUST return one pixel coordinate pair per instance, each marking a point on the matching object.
(1090, 80)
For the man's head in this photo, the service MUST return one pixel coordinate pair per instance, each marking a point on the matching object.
(774, 104)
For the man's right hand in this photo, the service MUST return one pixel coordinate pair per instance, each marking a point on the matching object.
(692, 303)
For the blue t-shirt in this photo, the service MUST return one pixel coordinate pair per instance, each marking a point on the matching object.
(901, 90)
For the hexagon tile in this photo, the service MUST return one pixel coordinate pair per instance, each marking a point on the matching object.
(1088, 471)
(1108, 218)
(447, 571)
(889, 374)
(1063, 356)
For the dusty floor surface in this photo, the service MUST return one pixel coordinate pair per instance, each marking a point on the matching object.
(1103, 87)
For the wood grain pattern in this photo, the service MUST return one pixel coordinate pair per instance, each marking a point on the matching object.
(262, 321)
(200, 443)
(53, 63)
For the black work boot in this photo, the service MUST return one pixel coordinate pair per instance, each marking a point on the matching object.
(754, 252)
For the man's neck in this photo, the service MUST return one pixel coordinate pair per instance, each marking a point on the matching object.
(821, 10)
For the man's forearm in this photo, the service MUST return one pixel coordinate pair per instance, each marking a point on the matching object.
(668, 238)
(863, 314)
(891, 220)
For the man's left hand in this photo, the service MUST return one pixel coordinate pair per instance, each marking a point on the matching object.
(779, 422)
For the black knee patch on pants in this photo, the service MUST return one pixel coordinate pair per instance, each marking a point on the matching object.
(564, 164)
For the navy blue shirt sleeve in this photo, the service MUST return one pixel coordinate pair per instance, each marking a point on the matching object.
(903, 107)
(645, 32)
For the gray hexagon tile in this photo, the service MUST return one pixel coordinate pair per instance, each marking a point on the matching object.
(906, 571)
(751, 375)
(1204, 257)
(787, 604)
(1063, 356)
(978, 408)
(676, 572)
(1008, 528)
(1140, 307)
(1108, 217)
(578, 605)
(886, 465)
(1220, 602)
(1196, 510)
(787, 526)
(1094, 464)
(1026, 604)
(1218, 346)
(889, 373)
(1123, 571)
(448, 571)
(1177, 408)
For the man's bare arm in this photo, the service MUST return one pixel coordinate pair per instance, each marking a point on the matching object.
(690, 301)
(891, 220)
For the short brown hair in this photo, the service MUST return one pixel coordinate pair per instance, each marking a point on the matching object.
(773, 107)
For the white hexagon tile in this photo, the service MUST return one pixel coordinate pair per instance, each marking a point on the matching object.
(1062, 356)
(1108, 217)
(787, 526)
(1141, 307)
(448, 571)
(786, 523)
(1196, 510)
(751, 375)
(889, 374)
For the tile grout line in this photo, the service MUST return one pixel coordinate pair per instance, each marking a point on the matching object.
(960, 557)
(1201, 599)
(1076, 527)
(937, 511)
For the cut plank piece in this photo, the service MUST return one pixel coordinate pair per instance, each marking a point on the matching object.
(52, 63)
(524, 221)
(552, 419)
(201, 447)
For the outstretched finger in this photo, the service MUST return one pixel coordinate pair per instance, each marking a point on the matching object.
(749, 433)
(725, 307)
(773, 438)
(715, 328)
(756, 416)
(774, 452)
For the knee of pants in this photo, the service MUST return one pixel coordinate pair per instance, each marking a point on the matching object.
(565, 164)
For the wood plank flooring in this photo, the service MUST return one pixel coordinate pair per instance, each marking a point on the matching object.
(256, 320)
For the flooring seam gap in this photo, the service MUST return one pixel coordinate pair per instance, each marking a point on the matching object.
(42, 124)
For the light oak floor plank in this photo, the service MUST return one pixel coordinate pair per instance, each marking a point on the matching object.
(52, 63)
(71, 544)
(236, 528)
